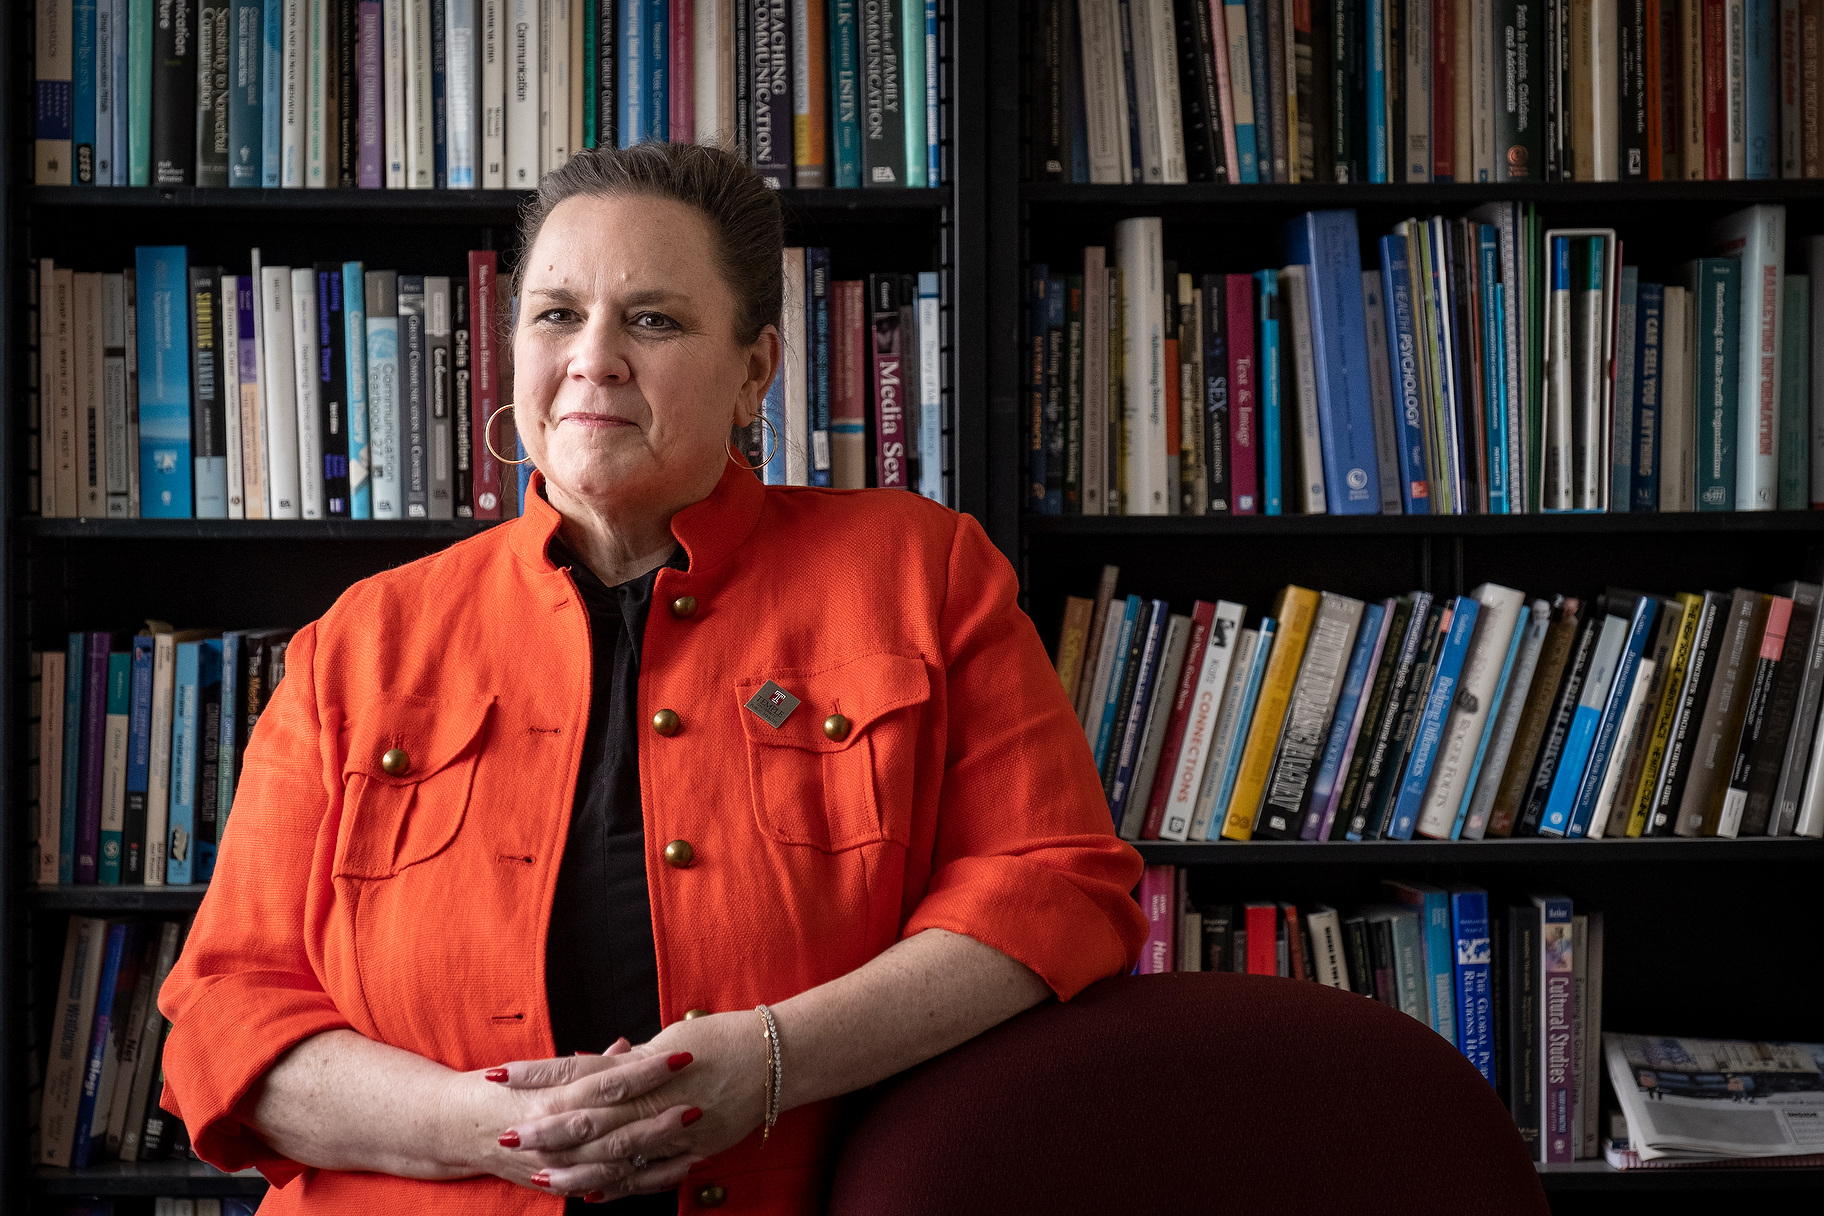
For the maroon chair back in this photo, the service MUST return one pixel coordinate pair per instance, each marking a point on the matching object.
(1192, 1093)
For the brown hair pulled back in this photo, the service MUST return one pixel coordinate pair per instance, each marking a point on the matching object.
(742, 212)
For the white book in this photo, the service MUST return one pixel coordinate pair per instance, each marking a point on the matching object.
(113, 802)
(1678, 410)
(459, 93)
(256, 449)
(1499, 615)
(158, 773)
(1757, 235)
(47, 379)
(1241, 85)
(321, 83)
(1098, 687)
(792, 370)
(294, 90)
(1104, 91)
(114, 391)
(1380, 387)
(1207, 817)
(493, 91)
(279, 382)
(1095, 380)
(392, 78)
(1327, 947)
(1605, 90)
(1295, 302)
(1507, 724)
(1152, 733)
(522, 94)
(1418, 90)
(1735, 87)
(420, 151)
(1624, 743)
(553, 84)
(1146, 92)
(707, 71)
(1139, 253)
(930, 392)
(384, 433)
(1482, 91)
(53, 674)
(1162, 45)
(91, 411)
(231, 395)
(304, 368)
(1306, 727)
(1200, 720)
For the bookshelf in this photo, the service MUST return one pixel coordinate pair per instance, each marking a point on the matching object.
(1698, 931)
(59, 574)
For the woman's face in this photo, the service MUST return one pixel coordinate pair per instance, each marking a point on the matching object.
(627, 372)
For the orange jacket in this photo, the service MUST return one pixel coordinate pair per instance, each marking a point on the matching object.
(413, 908)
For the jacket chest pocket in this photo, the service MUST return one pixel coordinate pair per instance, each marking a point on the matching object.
(837, 773)
(411, 762)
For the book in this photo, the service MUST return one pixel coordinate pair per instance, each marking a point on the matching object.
(1326, 243)
(334, 409)
(1384, 746)
(73, 1015)
(1346, 722)
(52, 687)
(1756, 238)
(1177, 789)
(883, 96)
(1294, 610)
(384, 395)
(279, 386)
(1407, 957)
(1713, 284)
(1307, 717)
(1761, 743)
(1139, 256)
(307, 392)
(147, 1056)
(1605, 657)
(1460, 743)
(1794, 441)
(134, 843)
(440, 427)
(1252, 649)
(1724, 709)
(1132, 792)
(1602, 744)
(1805, 678)
(97, 1039)
(1432, 906)
(164, 381)
(1675, 771)
(112, 804)
(1661, 712)
(1559, 1137)
(891, 469)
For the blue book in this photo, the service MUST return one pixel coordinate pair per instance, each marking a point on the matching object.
(1404, 358)
(845, 95)
(440, 105)
(1715, 289)
(208, 783)
(246, 92)
(1640, 630)
(82, 71)
(1250, 692)
(186, 747)
(658, 71)
(1761, 84)
(630, 110)
(1430, 728)
(1375, 55)
(1268, 384)
(1127, 755)
(1437, 933)
(272, 52)
(164, 381)
(1263, 93)
(1354, 678)
(73, 673)
(82, 1149)
(354, 325)
(120, 703)
(1649, 316)
(139, 761)
(1494, 365)
(931, 416)
(1325, 241)
(1475, 1000)
(1038, 316)
(1605, 658)
(1488, 723)
(773, 405)
(912, 87)
(817, 329)
(1079, 140)
(1130, 620)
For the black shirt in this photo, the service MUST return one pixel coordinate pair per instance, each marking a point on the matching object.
(601, 967)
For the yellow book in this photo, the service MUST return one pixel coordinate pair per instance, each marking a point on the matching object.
(1668, 710)
(1295, 609)
(1073, 640)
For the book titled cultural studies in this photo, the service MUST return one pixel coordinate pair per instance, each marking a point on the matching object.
(1326, 242)
(164, 381)
(1558, 1135)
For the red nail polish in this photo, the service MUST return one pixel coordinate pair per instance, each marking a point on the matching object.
(595, 1197)
(509, 1139)
(678, 1061)
(496, 1075)
(691, 1116)
(541, 1179)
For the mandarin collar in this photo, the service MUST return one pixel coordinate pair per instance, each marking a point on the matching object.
(709, 530)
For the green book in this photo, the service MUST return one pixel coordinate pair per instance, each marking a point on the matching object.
(1519, 91)
(114, 761)
(1795, 395)
(139, 92)
(1716, 347)
(589, 89)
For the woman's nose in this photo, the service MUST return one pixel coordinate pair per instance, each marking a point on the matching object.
(598, 358)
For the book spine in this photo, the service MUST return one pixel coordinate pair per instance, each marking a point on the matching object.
(1294, 613)
(306, 392)
(1218, 418)
(439, 392)
(100, 1035)
(164, 381)
(231, 395)
(75, 680)
(208, 428)
(84, 21)
(1048, 350)
(883, 123)
(486, 382)
(54, 99)
(1148, 718)
(771, 57)
(462, 404)
(246, 53)
(1244, 395)
(1277, 345)
(234, 672)
(1614, 708)
(208, 754)
(460, 94)
(1430, 726)
(414, 399)
(1723, 709)
(52, 679)
(1644, 464)
(520, 148)
(92, 758)
(1302, 740)
(384, 434)
(1557, 1048)
(331, 371)
(1715, 282)
(294, 93)
(185, 726)
(138, 765)
(213, 142)
(1744, 814)
(1794, 394)
(1346, 723)
(845, 94)
(890, 470)
(1407, 367)
(354, 379)
(1474, 1003)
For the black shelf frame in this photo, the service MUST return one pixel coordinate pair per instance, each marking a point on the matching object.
(252, 529)
(121, 1179)
(1446, 196)
(1390, 855)
(1579, 524)
(113, 900)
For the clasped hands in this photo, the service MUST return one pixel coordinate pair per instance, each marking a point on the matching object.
(631, 1120)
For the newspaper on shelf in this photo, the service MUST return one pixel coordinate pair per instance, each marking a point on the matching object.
(1719, 1100)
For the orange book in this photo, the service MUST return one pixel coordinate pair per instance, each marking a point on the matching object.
(810, 99)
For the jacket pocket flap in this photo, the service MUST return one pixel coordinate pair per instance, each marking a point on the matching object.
(431, 731)
(860, 689)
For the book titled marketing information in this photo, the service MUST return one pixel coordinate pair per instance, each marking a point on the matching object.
(1757, 238)
(164, 381)
(1326, 243)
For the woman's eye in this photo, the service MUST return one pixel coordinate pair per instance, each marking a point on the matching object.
(556, 316)
(653, 321)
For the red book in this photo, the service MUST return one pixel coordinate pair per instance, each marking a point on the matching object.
(848, 385)
(485, 381)
(1244, 460)
(1656, 109)
(1443, 93)
(889, 383)
(1201, 616)
(683, 123)
(1263, 939)
(1716, 101)
(1159, 899)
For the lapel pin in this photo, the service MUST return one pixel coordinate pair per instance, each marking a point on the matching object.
(772, 704)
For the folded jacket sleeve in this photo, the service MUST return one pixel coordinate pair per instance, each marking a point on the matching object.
(244, 990)
(1026, 858)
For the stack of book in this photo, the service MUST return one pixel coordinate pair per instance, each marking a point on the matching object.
(136, 746)
(175, 391)
(1517, 989)
(1489, 365)
(478, 94)
(1175, 91)
(105, 1072)
(1696, 1102)
(1461, 718)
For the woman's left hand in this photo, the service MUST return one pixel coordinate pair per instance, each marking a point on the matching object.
(594, 1149)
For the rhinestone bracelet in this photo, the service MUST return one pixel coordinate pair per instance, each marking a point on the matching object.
(774, 1069)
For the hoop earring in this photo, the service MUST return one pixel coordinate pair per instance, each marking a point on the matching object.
(487, 437)
(768, 457)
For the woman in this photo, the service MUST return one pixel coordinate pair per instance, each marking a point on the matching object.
(821, 814)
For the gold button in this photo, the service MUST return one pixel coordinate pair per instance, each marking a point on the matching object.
(711, 1196)
(836, 727)
(684, 605)
(679, 854)
(665, 722)
(395, 763)
(691, 1015)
